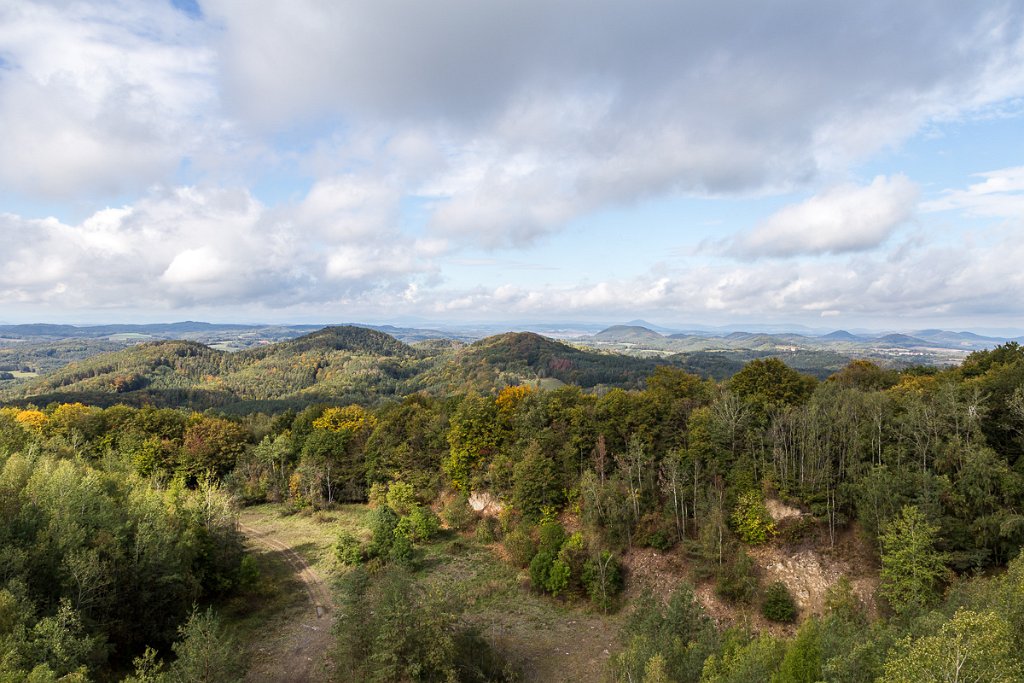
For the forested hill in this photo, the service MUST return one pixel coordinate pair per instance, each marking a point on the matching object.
(356, 363)
(348, 363)
(527, 358)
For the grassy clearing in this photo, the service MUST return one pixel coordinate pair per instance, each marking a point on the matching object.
(547, 639)
(312, 535)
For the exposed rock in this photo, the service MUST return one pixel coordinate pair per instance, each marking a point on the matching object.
(780, 511)
(485, 503)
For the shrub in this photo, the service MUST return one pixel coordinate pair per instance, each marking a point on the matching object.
(382, 527)
(401, 497)
(654, 532)
(737, 581)
(520, 548)
(401, 552)
(778, 604)
(457, 514)
(552, 536)
(424, 523)
(540, 568)
(558, 577)
(485, 530)
(602, 579)
(348, 549)
(378, 495)
(751, 520)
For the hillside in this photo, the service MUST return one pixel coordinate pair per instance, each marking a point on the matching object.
(523, 357)
(627, 334)
(339, 362)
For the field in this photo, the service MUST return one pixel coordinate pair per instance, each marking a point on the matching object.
(547, 639)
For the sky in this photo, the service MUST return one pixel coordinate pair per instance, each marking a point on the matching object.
(829, 164)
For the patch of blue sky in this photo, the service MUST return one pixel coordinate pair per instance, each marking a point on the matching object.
(188, 7)
(665, 234)
(947, 155)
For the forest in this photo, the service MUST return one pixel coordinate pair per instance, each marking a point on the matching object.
(119, 541)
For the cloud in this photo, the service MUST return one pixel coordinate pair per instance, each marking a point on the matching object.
(189, 246)
(924, 283)
(101, 97)
(843, 219)
(546, 113)
(1000, 195)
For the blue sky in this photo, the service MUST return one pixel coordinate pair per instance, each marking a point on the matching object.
(831, 165)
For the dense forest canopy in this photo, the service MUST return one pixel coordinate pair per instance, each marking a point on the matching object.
(117, 519)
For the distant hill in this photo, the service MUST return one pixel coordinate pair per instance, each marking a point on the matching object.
(338, 364)
(901, 340)
(841, 335)
(524, 357)
(344, 363)
(342, 338)
(627, 334)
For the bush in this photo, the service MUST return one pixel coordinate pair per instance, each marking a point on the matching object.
(383, 522)
(751, 520)
(778, 604)
(424, 523)
(558, 577)
(520, 548)
(552, 536)
(401, 497)
(485, 530)
(737, 581)
(602, 579)
(654, 532)
(457, 514)
(348, 549)
(540, 569)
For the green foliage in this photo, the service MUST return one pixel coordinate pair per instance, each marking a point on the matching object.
(540, 569)
(520, 547)
(778, 604)
(972, 646)
(206, 653)
(602, 579)
(679, 633)
(912, 567)
(737, 581)
(536, 485)
(423, 523)
(382, 522)
(744, 660)
(401, 497)
(750, 519)
(552, 536)
(348, 549)
(802, 661)
(457, 513)
(770, 381)
(472, 438)
(407, 634)
(558, 576)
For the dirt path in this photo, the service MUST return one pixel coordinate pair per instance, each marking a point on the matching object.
(296, 649)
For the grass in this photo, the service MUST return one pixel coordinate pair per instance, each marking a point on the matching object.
(547, 639)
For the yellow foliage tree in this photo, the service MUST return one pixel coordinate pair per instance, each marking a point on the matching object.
(352, 418)
(32, 420)
(510, 397)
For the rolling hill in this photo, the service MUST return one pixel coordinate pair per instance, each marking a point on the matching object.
(337, 364)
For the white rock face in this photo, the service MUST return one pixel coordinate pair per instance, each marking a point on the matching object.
(484, 503)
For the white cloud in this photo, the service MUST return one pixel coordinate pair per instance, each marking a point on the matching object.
(545, 113)
(100, 97)
(198, 246)
(1000, 195)
(845, 218)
